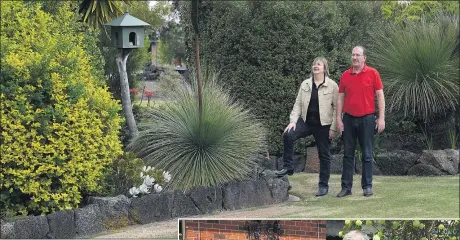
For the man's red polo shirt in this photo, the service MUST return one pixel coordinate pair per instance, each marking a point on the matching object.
(360, 90)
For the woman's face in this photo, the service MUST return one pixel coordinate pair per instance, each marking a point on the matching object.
(318, 67)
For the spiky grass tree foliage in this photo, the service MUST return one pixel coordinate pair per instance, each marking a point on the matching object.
(419, 66)
(211, 153)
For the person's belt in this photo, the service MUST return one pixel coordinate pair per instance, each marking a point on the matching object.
(359, 116)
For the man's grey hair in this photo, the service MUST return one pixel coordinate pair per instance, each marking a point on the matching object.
(355, 235)
(363, 48)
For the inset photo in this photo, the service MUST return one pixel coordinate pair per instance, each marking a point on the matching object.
(270, 229)
(252, 229)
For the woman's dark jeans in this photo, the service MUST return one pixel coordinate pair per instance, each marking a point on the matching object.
(323, 144)
(362, 128)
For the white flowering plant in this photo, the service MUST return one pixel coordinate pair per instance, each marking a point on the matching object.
(404, 229)
(153, 180)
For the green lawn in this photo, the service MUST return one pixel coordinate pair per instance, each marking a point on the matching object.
(394, 197)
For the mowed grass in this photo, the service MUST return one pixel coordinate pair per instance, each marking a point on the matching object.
(394, 197)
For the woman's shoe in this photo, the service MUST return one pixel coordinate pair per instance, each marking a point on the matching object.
(283, 172)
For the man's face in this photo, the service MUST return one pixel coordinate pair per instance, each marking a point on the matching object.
(357, 57)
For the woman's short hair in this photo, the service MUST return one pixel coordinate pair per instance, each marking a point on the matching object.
(324, 61)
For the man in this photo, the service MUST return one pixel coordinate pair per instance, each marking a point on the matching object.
(357, 90)
(355, 235)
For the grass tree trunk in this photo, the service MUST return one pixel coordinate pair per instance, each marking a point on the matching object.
(198, 74)
(125, 95)
(194, 15)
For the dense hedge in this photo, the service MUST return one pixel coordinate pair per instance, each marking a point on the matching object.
(264, 50)
(59, 124)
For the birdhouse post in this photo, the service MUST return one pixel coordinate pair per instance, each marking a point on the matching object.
(127, 32)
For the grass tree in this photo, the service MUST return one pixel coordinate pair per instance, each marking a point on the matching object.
(209, 153)
(419, 67)
(419, 64)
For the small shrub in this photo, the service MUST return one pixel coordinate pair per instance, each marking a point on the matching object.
(428, 139)
(453, 137)
(127, 172)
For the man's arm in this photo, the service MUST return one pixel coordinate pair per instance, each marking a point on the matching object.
(381, 104)
(340, 101)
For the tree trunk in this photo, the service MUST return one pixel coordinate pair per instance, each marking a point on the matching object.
(125, 95)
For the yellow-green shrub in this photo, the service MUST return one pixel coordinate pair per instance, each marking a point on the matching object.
(59, 124)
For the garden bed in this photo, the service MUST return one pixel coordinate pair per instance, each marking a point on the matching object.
(107, 213)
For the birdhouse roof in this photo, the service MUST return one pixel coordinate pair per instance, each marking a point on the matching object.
(126, 20)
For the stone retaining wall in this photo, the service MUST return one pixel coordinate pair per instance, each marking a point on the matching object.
(105, 213)
(394, 163)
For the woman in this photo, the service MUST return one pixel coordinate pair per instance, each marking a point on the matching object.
(313, 114)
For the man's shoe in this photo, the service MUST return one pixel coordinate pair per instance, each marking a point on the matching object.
(321, 192)
(367, 192)
(344, 193)
(283, 172)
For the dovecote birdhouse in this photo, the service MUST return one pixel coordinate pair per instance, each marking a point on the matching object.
(127, 31)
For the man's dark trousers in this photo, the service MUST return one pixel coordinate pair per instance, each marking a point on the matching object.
(362, 128)
(323, 144)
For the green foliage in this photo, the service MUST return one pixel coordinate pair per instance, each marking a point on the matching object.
(264, 51)
(453, 138)
(415, 10)
(405, 229)
(124, 174)
(153, 16)
(212, 153)
(169, 81)
(98, 12)
(419, 67)
(59, 123)
(172, 43)
(428, 139)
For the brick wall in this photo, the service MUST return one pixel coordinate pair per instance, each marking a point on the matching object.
(237, 230)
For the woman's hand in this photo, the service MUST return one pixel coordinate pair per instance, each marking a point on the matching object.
(339, 125)
(331, 134)
(289, 127)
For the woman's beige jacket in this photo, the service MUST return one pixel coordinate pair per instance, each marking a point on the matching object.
(327, 99)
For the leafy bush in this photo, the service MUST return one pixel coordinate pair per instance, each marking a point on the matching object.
(59, 123)
(419, 67)
(206, 153)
